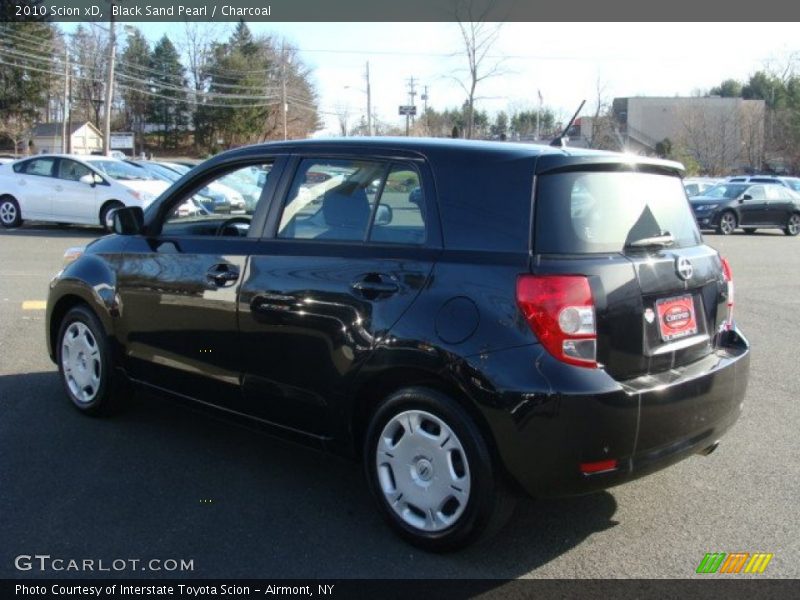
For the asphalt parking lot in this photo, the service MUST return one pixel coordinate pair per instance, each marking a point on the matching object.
(163, 482)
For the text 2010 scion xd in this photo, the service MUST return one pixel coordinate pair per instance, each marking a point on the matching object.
(468, 319)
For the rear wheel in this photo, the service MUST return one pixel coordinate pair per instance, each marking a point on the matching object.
(431, 473)
(9, 212)
(727, 223)
(105, 214)
(793, 225)
(85, 364)
(750, 230)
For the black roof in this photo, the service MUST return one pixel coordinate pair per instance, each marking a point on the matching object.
(550, 157)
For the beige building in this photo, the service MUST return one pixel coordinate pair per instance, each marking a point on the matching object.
(723, 135)
(85, 138)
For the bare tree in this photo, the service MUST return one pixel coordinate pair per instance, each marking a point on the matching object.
(343, 116)
(603, 131)
(16, 127)
(478, 37)
(711, 135)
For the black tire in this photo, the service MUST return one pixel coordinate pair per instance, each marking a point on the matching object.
(749, 230)
(107, 208)
(727, 223)
(10, 215)
(792, 225)
(110, 392)
(488, 503)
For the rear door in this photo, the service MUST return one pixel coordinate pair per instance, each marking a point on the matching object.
(36, 182)
(658, 290)
(779, 204)
(351, 249)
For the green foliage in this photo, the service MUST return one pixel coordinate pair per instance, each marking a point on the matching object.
(730, 88)
(168, 107)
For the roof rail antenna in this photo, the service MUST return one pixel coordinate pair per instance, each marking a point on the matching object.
(560, 142)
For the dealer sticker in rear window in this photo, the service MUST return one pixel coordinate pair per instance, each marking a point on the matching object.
(676, 317)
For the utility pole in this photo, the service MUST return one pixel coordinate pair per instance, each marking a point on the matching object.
(412, 93)
(539, 115)
(283, 86)
(64, 129)
(112, 46)
(424, 99)
(369, 105)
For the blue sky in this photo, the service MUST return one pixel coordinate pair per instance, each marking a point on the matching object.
(563, 60)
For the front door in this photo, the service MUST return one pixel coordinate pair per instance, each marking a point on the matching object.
(75, 201)
(351, 253)
(752, 206)
(178, 301)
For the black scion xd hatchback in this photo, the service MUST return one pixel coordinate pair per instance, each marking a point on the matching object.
(468, 319)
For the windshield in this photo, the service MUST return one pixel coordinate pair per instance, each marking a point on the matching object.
(725, 190)
(122, 171)
(601, 212)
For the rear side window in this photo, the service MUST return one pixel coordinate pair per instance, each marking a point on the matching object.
(602, 212)
(356, 201)
(38, 166)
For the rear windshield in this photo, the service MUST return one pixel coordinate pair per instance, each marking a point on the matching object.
(603, 211)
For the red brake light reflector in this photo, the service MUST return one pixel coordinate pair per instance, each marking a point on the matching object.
(598, 466)
(728, 274)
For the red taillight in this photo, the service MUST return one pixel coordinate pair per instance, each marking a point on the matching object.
(601, 466)
(728, 274)
(560, 310)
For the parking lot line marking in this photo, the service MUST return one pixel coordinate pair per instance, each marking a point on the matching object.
(34, 305)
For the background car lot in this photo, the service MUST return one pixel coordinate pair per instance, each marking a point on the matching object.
(139, 485)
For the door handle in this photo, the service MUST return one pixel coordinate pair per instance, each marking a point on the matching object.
(373, 285)
(223, 275)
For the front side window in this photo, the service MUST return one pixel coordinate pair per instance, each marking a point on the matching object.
(224, 205)
(602, 212)
(756, 193)
(71, 170)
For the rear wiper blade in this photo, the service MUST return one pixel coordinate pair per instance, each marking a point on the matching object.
(662, 240)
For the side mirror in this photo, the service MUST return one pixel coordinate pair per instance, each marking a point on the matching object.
(91, 179)
(128, 220)
(747, 197)
(384, 214)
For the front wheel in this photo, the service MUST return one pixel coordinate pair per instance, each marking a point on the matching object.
(105, 215)
(431, 473)
(792, 225)
(727, 223)
(9, 212)
(86, 366)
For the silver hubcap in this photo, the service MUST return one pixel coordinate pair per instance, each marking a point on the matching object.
(80, 360)
(8, 212)
(423, 470)
(794, 224)
(728, 223)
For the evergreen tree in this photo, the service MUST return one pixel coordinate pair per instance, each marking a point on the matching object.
(168, 107)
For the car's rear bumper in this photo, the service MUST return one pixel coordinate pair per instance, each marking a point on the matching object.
(545, 437)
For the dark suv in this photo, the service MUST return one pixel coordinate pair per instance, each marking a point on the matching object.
(468, 319)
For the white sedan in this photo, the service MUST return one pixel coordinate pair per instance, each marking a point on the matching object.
(72, 189)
